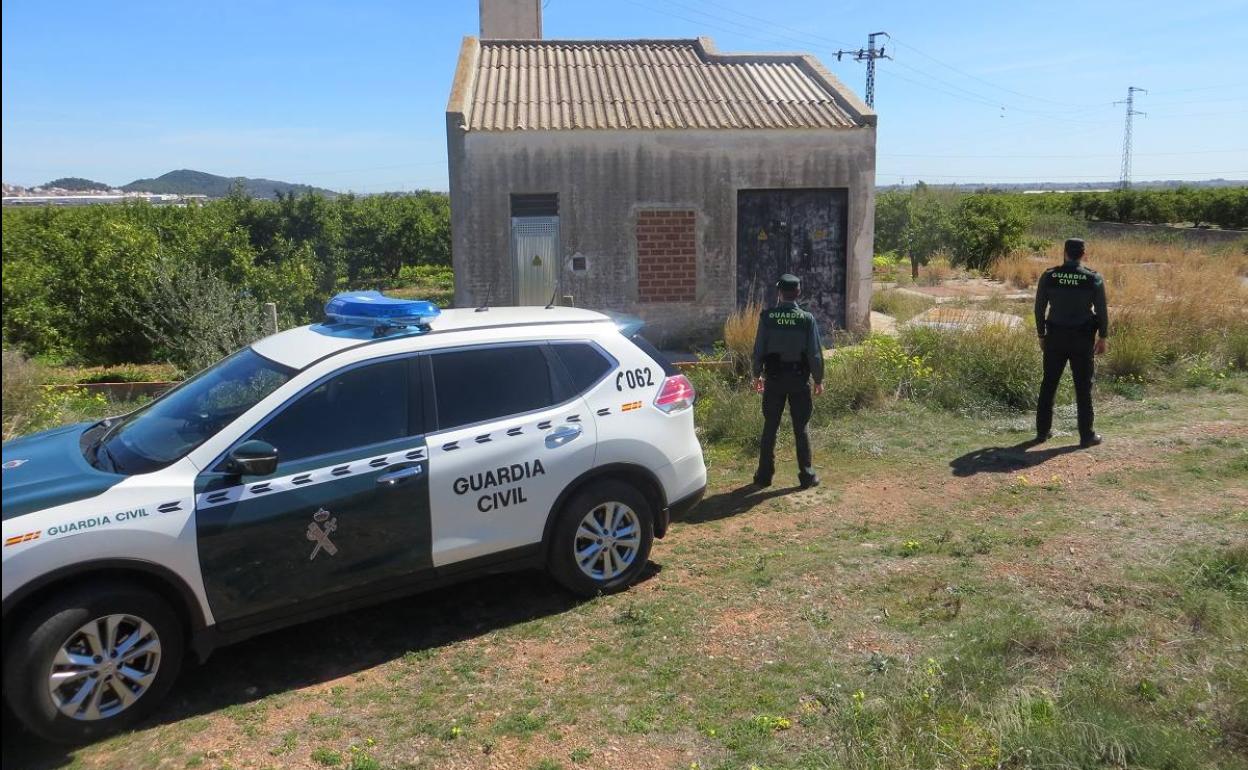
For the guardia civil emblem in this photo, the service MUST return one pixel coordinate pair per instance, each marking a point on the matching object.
(319, 530)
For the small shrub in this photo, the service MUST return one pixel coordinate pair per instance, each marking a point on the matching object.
(1203, 371)
(868, 374)
(935, 272)
(1131, 355)
(852, 381)
(726, 410)
(22, 380)
(989, 368)
(1235, 347)
(194, 317)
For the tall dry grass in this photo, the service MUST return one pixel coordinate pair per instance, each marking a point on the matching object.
(1167, 301)
(938, 270)
(740, 329)
(1020, 269)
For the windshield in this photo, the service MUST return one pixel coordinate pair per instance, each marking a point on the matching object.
(166, 429)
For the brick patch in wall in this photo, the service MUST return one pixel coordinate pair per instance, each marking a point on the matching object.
(667, 255)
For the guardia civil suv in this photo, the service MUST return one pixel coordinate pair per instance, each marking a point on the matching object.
(382, 451)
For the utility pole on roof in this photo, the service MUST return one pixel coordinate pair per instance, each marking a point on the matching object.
(869, 55)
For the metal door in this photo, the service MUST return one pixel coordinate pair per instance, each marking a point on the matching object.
(535, 254)
(800, 231)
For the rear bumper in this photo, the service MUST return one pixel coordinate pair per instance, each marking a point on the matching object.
(684, 505)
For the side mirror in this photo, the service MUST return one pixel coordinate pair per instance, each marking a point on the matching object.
(252, 458)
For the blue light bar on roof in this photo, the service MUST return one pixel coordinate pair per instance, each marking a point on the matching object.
(372, 308)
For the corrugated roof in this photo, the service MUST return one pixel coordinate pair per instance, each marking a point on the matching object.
(519, 85)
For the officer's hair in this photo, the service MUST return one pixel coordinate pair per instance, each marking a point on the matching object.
(790, 294)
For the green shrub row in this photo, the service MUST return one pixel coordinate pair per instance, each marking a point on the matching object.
(990, 370)
(82, 283)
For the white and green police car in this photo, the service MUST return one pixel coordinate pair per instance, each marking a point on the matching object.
(386, 450)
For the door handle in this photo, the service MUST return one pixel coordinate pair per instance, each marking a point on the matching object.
(398, 476)
(562, 435)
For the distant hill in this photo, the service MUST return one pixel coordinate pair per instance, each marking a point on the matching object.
(187, 182)
(77, 184)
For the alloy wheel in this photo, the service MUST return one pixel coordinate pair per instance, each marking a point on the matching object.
(607, 541)
(104, 667)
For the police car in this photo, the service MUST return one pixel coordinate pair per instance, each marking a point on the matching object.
(388, 449)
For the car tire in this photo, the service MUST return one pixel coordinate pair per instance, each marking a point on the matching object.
(617, 520)
(49, 646)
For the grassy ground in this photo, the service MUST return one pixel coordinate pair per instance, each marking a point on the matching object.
(946, 599)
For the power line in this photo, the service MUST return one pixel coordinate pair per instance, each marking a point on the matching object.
(989, 83)
(752, 31)
(1126, 138)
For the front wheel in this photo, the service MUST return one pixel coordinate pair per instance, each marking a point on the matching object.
(92, 661)
(602, 539)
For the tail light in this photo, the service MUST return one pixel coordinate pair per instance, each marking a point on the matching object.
(676, 394)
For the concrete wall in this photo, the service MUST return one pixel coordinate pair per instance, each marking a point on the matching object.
(604, 177)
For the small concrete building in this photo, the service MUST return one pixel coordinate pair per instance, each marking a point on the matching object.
(659, 178)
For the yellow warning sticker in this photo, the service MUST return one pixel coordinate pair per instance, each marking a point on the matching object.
(630, 406)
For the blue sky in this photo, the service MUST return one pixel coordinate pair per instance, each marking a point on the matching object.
(351, 95)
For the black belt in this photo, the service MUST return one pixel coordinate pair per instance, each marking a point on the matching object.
(778, 367)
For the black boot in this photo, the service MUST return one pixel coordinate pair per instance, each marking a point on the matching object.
(1090, 440)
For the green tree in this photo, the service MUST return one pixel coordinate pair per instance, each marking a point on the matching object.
(985, 228)
(915, 224)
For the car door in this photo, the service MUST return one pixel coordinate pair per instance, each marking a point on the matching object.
(510, 438)
(346, 510)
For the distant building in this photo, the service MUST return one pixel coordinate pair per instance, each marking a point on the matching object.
(660, 178)
(36, 197)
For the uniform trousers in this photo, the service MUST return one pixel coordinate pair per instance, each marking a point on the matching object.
(779, 388)
(1062, 345)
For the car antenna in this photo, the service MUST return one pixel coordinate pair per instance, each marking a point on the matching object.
(489, 293)
(553, 294)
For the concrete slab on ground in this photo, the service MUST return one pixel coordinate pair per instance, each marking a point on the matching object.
(883, 324)
(973, 289)
(959, 318)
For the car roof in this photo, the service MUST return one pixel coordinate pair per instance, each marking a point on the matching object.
(300, 347)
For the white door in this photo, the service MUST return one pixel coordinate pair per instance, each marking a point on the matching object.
(506, 446)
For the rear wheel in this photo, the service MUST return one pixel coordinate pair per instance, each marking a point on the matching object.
(92, 662)
(602, 539)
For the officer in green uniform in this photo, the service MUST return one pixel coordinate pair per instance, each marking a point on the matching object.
(1074, 329)
(787, 354)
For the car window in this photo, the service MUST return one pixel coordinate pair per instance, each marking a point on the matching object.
(355, 408)
(483, 384)
(171, 426)
(669, 369)
(585, 363)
